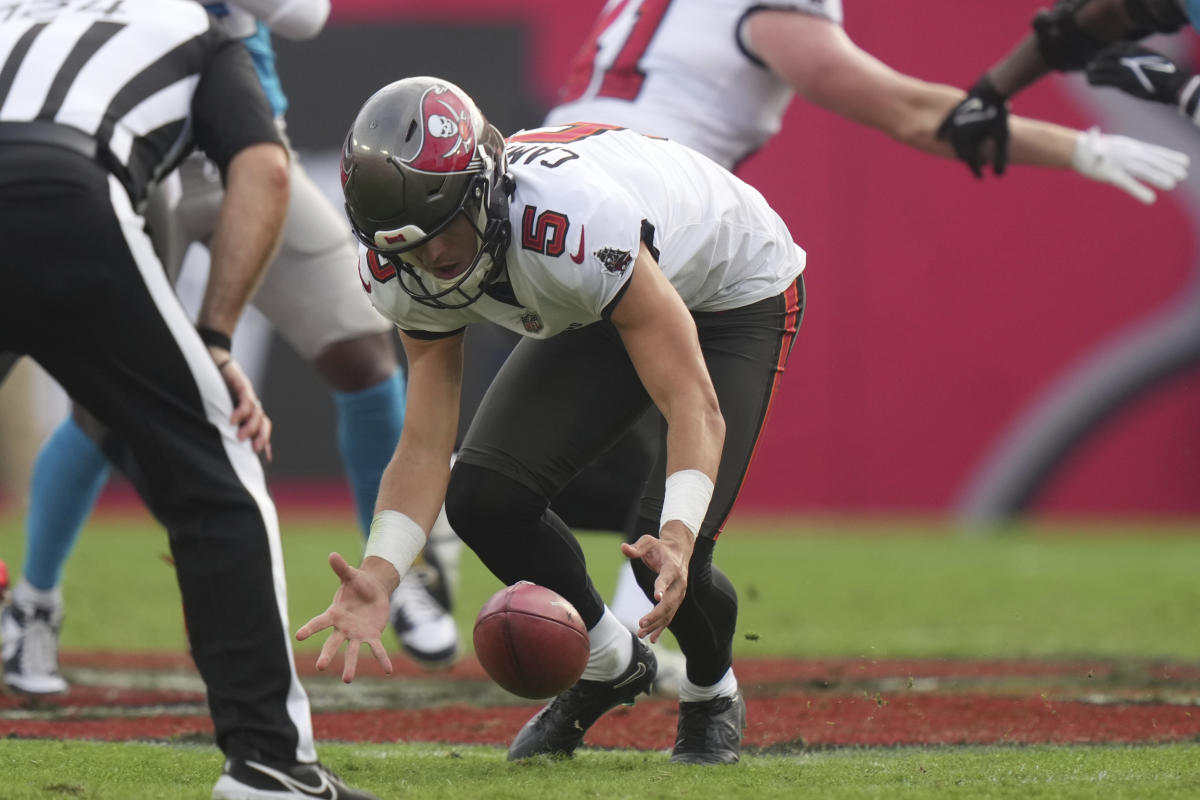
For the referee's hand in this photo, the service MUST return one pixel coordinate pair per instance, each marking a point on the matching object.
(248, 415)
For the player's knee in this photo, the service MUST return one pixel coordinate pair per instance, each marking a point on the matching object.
(483, 504)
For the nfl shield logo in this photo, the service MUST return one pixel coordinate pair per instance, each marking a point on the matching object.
(531, 321)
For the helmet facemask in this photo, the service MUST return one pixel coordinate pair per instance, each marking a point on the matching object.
(491, 234)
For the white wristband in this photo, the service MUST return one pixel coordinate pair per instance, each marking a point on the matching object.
(686, 499)
(395, 538)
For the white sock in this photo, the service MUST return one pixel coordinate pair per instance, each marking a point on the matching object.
(612, 649)
(691, 693)
(629, 603)
(28, 594)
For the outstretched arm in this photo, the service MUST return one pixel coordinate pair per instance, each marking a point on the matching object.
(818, 59)
(660, 336)
(1065, 37)
(410, 496)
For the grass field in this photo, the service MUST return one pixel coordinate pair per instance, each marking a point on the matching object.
(810, 589)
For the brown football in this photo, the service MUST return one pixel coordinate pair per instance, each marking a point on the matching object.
(531, 641)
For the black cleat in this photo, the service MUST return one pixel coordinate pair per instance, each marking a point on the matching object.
(710, 731)
(558, 728)
(248, 779)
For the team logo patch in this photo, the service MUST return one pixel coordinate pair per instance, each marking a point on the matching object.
(614, 260)
(531, 321)
(448, 135)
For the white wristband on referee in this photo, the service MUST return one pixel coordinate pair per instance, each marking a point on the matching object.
(686, 499)
(396, 538)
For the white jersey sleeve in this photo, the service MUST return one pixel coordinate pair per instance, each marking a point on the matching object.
(682, 71)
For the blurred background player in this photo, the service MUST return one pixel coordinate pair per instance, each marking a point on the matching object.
(718, 75)
(1095, 36)
(312, 297)
(99, 101)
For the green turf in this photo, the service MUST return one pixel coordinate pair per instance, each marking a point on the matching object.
(49, 769)
(809, 589)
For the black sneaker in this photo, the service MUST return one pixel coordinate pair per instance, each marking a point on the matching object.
(559, 727)
(247, 779)
(710, 731)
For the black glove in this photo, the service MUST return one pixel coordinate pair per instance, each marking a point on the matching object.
(980, 118)
(1138, 71)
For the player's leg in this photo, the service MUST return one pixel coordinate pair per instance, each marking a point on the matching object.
(125, 349)
(553, 407)
(69, 473)
(745, 351)
(313, 297)
(607, 496)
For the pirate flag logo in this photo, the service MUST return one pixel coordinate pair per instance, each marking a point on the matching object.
(448, 132)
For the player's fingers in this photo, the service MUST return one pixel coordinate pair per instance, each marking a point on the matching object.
(329, 649)
(654, 623)
(351, 663)
(344, 571)
(314, 625)
(661, 585)
(1163, 174)
(1141, 193)
(262, 430)
(381, 656)
(1000, 154)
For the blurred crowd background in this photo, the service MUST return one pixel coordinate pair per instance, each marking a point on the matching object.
(942, 309)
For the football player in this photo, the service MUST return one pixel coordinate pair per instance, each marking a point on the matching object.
(638, 273)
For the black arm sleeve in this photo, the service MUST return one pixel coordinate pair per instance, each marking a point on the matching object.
(1157, 16)
(229, 110)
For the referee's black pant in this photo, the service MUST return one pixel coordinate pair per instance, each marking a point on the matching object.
(82, 293)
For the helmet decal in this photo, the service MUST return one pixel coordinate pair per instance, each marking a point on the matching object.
(449, 132)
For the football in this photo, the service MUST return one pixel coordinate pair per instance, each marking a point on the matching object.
(531, 641)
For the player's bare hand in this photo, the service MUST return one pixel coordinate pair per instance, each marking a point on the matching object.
(669, 557)
(357, 615)
(248, 415)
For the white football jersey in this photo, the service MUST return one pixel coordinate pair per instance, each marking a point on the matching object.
(586, 197)
(682, 70)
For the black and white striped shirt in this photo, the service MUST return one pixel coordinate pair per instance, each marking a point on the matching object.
(146, 78)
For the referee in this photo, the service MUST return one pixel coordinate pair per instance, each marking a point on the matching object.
(98, 100)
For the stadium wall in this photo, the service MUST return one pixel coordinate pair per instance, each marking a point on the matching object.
(940, 306)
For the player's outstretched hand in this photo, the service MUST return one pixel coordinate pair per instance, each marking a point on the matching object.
(1129, 164)
(358, 615)
(669, 557)
(1138, 71)
(977, 129)
(248, 415)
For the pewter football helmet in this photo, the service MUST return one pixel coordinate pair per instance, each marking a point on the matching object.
(419, 154)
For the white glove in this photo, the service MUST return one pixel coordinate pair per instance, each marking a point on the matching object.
(1124, 162)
